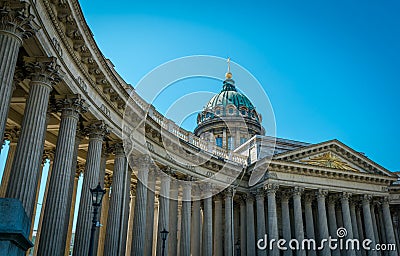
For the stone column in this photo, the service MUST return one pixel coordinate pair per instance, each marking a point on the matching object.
(207, 221)
(139, 219)
(104, 214)
(381, 224)
(218, 242)
(308, 199)
(173, 219)
(114, 220)
(103, 211)
(298, 216)
(272, 216)
(322, 220)
(250, 234)
(369, 229)
(96, 132)
(354, 224)
(186, 207)
(151, 188)
(347, 220)
(286, 228)
(360, 227)
(163, 219)
(16, 24)
(243, 228)
(228, 239)
(375, 226)
(195, 238)
(48, 155)
(72, 212)
(130, 225)
(12, 136)
(332, 221)
(44, 73)
(56, 214)
(387, 217)
(260, 218)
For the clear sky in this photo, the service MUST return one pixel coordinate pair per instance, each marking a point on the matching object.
(330, 68)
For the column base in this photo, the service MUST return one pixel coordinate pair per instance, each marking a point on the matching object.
(14, 227)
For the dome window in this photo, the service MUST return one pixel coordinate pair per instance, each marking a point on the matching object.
(243, 112)
(230, 111)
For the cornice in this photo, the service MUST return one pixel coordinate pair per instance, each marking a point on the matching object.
(317, 171)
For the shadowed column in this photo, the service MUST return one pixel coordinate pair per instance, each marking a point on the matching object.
(56, 214)
(16, 24)
(260, 195)
(308, 199)
(286, 227)
(218, 241)
(96, 132)
(207, 221)
(298, 217)
(369, 229)
(112, 241)
(143, 163)
(44, 74)
(322, 220)
(272, 216)
(173, 218)
(163, 219)
(186, 209)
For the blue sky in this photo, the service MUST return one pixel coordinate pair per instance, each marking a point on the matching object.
(330, 68)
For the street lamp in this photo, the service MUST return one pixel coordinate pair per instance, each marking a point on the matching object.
(164, 235)
(97, 198)
(237, 248)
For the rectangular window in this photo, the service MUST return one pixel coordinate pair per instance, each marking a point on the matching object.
(242, 140)
(218, 142)
(230, 143)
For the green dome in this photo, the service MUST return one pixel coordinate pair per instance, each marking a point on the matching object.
(229, 103)
(229, 95)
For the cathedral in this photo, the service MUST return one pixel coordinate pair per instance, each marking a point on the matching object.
(150, 187)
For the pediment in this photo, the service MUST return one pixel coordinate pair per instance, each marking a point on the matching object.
(333, 154)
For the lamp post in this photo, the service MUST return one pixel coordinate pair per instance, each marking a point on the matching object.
(97, 197)
(164, 234)
(237, 248)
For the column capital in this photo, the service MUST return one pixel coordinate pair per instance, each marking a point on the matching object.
(228, 192)
(43, 70)
(345, 196)
(143, 161)
(309, 198)
(97, 130)
(285, 195)
(107, 180)
(48, 154)
(271, 188)
(385, 200)
(248, 197)
(12, 134)
(71, 105)
(80, 168)
(118, 149)
(322, 193)
(366, 198)
(259, 194)
(17, 20)
(332, 199)
(297, 191)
